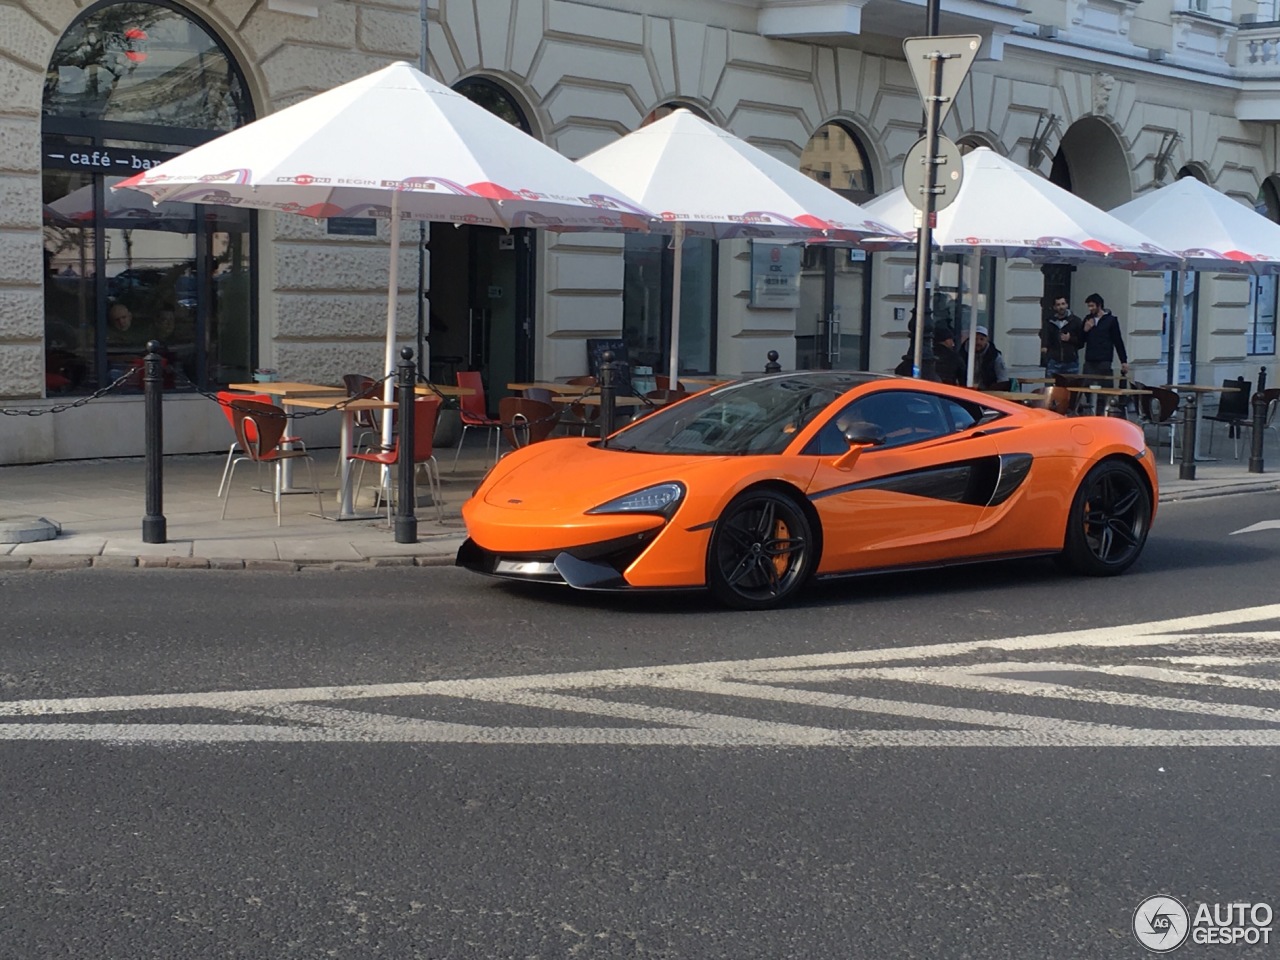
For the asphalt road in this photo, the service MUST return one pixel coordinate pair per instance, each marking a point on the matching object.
(992, 762)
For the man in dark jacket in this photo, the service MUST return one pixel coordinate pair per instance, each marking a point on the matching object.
(1102, 341)
(948, 363)
(1061, 335)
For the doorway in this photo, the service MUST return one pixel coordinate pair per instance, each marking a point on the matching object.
(481, 296)
(833, 318)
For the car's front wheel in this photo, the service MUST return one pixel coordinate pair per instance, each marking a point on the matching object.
(1109, 519)
(762, 551)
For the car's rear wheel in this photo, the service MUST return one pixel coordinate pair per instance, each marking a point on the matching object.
(1109, 520)
(762, 549)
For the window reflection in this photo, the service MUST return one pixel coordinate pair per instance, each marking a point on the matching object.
(143, 63)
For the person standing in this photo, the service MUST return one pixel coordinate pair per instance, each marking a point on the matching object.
(1102, 342)
(948, 363)
(1061, 335)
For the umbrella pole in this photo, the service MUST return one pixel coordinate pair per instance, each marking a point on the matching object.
(393, 292)
(1175, 330)
(677, 266)
(975, 277)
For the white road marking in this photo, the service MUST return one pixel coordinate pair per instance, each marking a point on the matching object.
(624, 699)
(1261, 525)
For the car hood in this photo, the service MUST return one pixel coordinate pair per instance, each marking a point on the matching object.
(574, 475)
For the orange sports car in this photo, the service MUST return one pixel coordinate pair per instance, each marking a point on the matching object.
(752, 488)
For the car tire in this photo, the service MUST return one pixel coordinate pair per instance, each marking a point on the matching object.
(1109, 520)
(762, 551)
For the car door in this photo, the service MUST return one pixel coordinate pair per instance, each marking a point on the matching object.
(913, 499)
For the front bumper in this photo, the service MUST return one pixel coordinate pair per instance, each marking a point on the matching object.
(596, 566)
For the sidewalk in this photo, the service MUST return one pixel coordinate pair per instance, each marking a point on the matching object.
(99, 505)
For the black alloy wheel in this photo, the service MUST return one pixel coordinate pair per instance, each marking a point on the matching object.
(761, 551)
(1109, 520)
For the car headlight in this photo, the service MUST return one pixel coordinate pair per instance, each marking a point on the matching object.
(662, 498)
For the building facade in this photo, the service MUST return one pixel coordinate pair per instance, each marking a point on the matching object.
(1108, 98)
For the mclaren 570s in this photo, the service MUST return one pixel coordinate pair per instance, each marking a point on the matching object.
(753, 488)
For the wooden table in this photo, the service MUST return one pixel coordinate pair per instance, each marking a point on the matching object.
(626, 400)
(349, 408)
(1015, 396)
(1047, 380)
(1114, 408)
(706, 381)
(286, 388)
(565, 389)
(442, 390)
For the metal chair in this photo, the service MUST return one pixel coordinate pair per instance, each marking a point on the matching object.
(475, 414)
(526, 421)
(1233, 410)
(585, 415)
(1157, 409)
(426, 411)
(259, 432)
(226, 400)
(368, 422)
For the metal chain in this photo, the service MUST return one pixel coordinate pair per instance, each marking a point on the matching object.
(61, 407)
(182, 380)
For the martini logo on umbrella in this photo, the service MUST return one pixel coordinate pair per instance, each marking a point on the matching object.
(302, 179)
(234, 176)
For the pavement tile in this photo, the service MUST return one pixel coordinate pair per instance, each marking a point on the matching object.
(63, 546)
(240, 548)
(302, 550)
(136, 548)
(115, 563)
(59, 562)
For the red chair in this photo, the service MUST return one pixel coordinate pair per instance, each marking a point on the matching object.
(226, 399)
(584, 415)
(259, 432)
(475, 413)
(426, 411)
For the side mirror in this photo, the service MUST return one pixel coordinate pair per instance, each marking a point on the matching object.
(859, 434)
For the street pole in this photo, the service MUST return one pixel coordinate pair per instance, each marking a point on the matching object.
(923, 363)
(423, 318)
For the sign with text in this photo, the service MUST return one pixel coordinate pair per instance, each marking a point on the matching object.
(775, 274)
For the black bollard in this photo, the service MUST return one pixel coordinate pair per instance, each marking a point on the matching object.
(1187, 465)
(406, 522)
(154, 527)
(773, 366)
(607, 411)
(1259, 428)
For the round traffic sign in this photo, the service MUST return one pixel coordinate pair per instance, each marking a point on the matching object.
(950, 173)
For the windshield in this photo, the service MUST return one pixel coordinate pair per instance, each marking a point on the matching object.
(759, 416)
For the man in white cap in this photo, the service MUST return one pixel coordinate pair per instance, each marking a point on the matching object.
(989, 370)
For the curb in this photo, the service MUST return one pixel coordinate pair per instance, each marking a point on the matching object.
(80, 562)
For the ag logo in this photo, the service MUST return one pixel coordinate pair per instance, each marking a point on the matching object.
(1161, 924)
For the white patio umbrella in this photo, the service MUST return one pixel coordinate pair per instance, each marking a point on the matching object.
(702, 181)
(1208, 231)
(394, 144)
(1003, 209)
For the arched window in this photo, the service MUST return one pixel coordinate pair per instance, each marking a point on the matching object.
(130, 85)
(648, 272)
(833, 319)
(494, 98)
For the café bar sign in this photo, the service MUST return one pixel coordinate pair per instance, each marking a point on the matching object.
(109, 161)
(775, 274)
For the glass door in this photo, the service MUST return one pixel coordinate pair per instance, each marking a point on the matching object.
(832, 321)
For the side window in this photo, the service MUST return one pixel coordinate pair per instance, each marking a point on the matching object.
(963, 415)
(903, 415)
